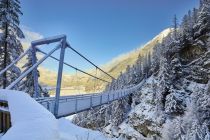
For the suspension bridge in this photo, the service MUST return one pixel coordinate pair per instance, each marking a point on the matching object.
(62, 106)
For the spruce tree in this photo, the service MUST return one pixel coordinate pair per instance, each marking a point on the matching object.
(145, 66)
(10, 44)
(190, 24)
(28, 84)
(195, 16)
(139, 64)
(203, 22)
(175, 26)
(164, 81)
(149, 63)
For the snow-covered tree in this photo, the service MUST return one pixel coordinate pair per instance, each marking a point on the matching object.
(121, 81)
(136, 74)
(174, 104)
(28, 84)
(203, 103)
(147, 64)
(164, 75)
(176, 73)
(139, 62)
(194, 16)
(175, 26)
(139, 65)
(164, 82)
(156, 59)
(202, 28)
(118, 112)
(207, 136)
(9, 42)
(128, 75)
(185, 26)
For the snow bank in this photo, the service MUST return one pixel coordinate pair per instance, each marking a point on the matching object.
(1, 135)
(3, 95)
(31, 121)
(69, 131)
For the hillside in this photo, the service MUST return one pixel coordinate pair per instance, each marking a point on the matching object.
(120, 63)
(174, 102)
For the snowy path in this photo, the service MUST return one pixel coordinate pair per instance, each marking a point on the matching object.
(30, 120)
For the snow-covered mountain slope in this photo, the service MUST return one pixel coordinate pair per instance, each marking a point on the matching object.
(166, 107)
(147, 119)
(120, 63)
(174, 104)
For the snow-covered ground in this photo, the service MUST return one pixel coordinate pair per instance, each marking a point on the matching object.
(32, 121)
(69, 131)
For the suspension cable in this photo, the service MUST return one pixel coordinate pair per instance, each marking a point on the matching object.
(73, 67)
(68, 45)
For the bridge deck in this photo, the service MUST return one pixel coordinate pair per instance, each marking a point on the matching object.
(73, 104)
(69, 105)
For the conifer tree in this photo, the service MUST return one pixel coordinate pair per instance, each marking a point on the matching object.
(149, 63)
(203, 23)
(139, 64)
(194, 16)
(175, 26)
(28, 84)
(10, 44)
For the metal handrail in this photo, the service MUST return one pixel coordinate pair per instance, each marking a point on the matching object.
(94, 94)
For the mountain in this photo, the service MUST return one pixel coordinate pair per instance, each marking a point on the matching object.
(82, 83)
(174, 102)
(120, 63)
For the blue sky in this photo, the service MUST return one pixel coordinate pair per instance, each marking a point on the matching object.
(102, 29)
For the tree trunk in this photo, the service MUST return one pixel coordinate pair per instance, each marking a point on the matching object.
(5, 59)
(5, 52)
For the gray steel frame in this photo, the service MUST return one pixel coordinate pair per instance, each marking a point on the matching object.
(63, 44)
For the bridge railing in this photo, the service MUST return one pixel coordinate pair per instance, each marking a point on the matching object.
(69, 105)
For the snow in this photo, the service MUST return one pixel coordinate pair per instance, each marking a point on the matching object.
(124, 127)
(5, 109)
(30, 120)
(70, 118)
(69, 131)
(3, 96)
(207, 63)
(161, 36)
